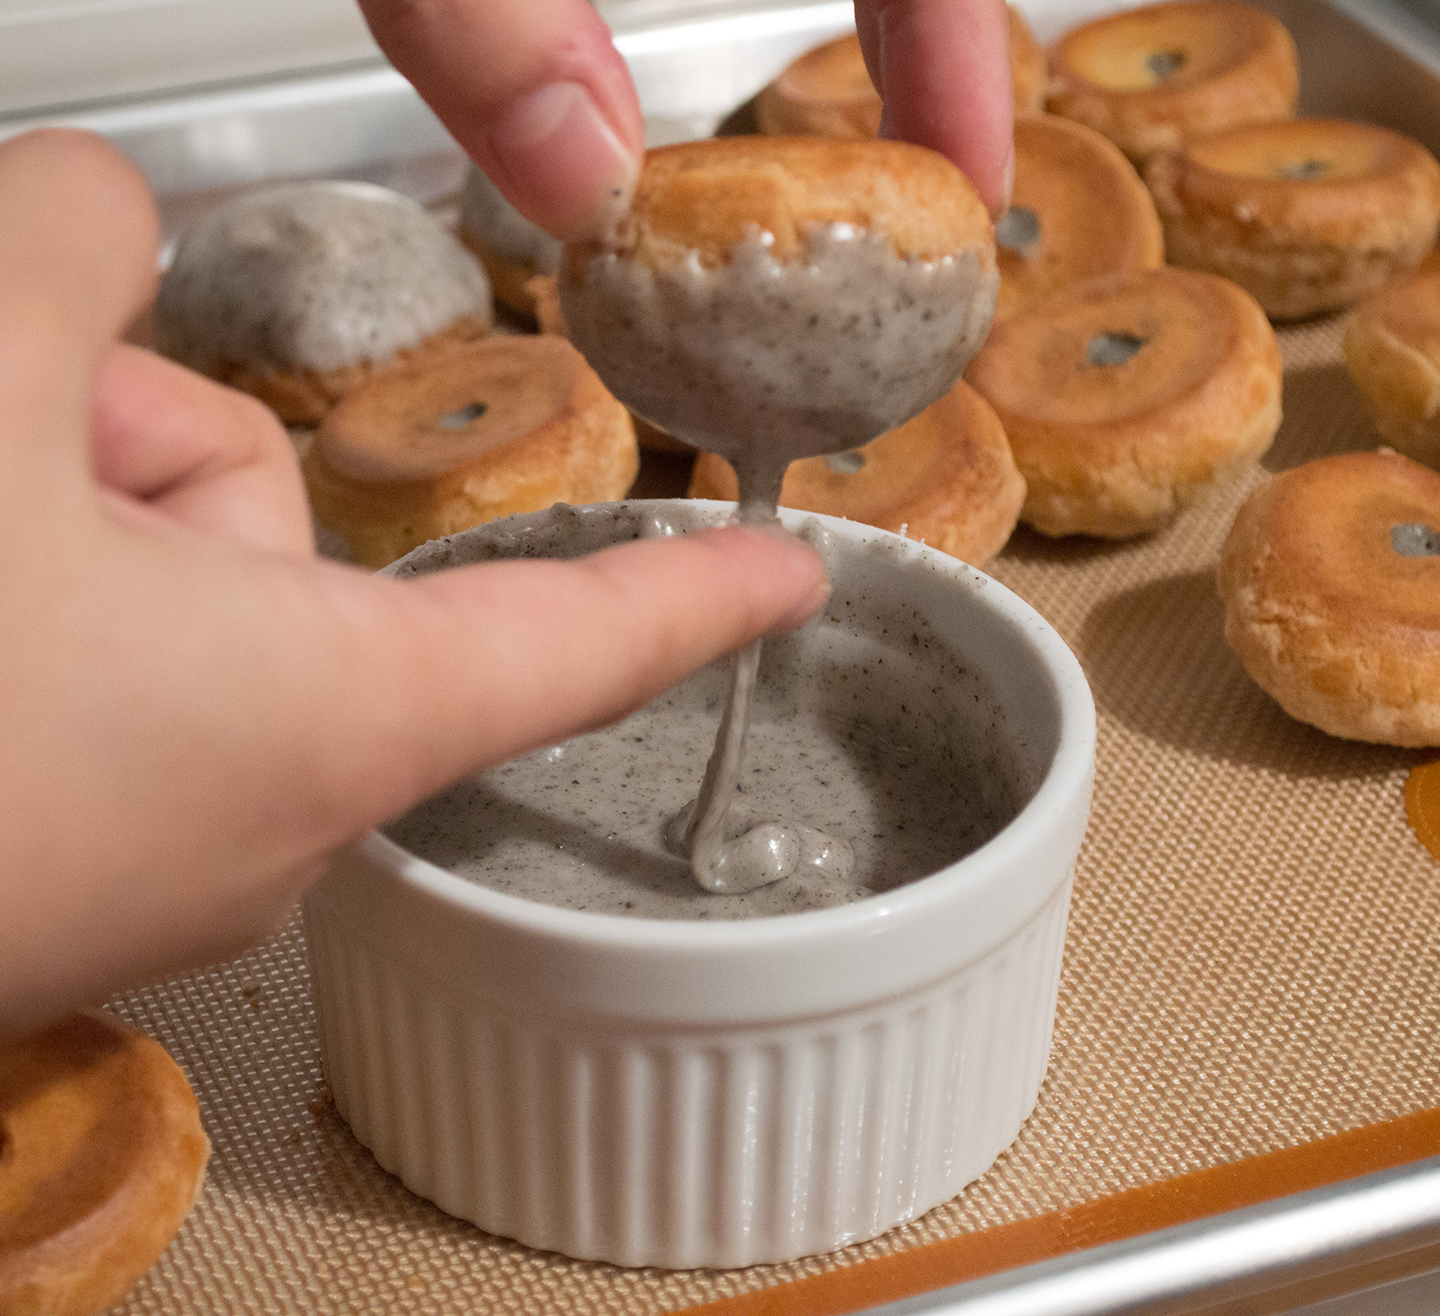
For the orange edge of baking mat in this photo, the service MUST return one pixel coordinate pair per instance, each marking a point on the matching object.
(1422, 804)
(1176, 1201)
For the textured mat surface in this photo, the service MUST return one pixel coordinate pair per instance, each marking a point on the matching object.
(1251, 965)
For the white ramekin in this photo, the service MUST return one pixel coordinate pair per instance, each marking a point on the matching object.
(679, 1093)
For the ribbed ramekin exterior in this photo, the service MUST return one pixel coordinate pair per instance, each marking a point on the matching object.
(640, 1145)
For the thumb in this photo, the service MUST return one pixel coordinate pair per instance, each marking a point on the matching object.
(536, 93)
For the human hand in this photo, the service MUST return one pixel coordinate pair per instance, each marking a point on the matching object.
(942, 68)
(542, 101)
(195, 709)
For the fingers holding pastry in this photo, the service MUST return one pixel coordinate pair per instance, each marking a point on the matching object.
(537, 94)
(943, 72)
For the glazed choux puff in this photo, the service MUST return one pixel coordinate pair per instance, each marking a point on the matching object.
(946, 477)
(102, 1156)
(550, 319)
(510, 423)
(819, 290)
(1126, 396)
(1079, 210)
(1149, 78)
(298, 292)
(1392, 349)
(1331, 581)
(1308, 215)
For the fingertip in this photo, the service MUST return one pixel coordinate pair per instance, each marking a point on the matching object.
(983, 150)
(793, 573)
(537, 94)
(562, 162)
(81, 227)
(82, 155)
(475, 665)
(993, 175)
(1008, 186)
(944, 76)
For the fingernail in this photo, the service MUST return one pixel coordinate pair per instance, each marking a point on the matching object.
(814, 598)
(806, 607)
(565, 160)
(1008, 184)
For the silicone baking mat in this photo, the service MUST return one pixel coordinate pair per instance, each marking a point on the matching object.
(1251, 967)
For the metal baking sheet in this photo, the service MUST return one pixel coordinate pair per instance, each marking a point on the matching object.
(693, 65)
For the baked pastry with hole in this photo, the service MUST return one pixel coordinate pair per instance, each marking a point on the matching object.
(509, 423)
(1079, 210)
(1392, 349)
(1308, 215)
(1151, 78)
(1123, 398)
(947, 477)
(1331, 581)
(827, 92)
(102, 1157)
(298, 292)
